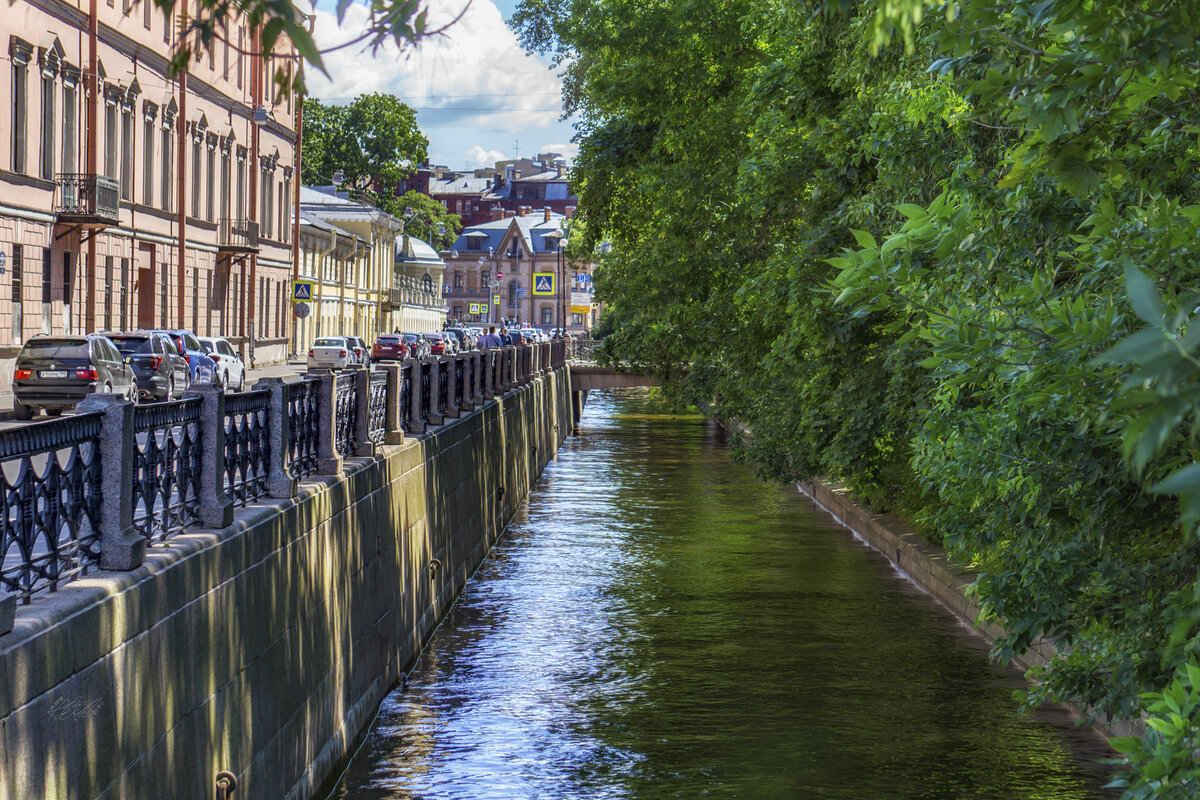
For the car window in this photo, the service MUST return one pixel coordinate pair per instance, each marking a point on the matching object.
(169, 346)
(329, 342)
(192, 344)
(54, 348)
(134, 344)
(225, 347)
(207, 346)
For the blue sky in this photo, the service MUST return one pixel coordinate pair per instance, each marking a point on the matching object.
(478, 96)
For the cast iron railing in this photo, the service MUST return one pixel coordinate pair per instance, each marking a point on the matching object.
(55, 524)
(85, 198)
(239, 235)
(166, 467)
(377, 407)
(345, 413)
(247, 445)
(49, 503)
(303, 409)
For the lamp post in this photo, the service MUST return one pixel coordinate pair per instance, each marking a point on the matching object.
(556, 236)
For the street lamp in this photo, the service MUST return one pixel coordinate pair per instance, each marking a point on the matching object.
(556, 236)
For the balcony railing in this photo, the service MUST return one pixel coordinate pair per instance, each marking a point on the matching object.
(87, 199)
(238, 235)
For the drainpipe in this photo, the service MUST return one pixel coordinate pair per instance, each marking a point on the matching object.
(181, 192)
(92, 92)
(296, 189)
(247, 315)
(321, 279)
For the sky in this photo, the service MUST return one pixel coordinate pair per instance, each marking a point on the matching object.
(478, 96)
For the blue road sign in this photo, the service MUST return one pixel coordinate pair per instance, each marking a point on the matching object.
(302, 290)
(543, 283)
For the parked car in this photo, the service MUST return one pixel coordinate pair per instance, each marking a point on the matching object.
(466, 339)
(439, 344)
(231, 370)
(201, 366)
(162, 372)
(53, 373)
(362, 354)
(331, 352)
(418, 345)
(389, 347)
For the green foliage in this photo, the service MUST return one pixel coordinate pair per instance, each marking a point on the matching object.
(1162, 764)
(947, 259)
(374, 142)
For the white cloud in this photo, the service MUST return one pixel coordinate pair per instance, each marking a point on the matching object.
(477, 157)
(475, 70)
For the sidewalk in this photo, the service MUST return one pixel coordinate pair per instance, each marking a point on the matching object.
(274, 371)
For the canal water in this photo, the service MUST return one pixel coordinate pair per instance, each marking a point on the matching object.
(657, 623)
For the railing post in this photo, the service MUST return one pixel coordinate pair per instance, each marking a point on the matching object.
(393, 418)
(216, 507)
(487, 375)
(416, 423)
(465, 403)
(451, 365)
(280, 481)
(363, 446)
(476, 378)
(328, 460)
(121, 546)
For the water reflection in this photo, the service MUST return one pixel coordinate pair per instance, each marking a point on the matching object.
(658, 624)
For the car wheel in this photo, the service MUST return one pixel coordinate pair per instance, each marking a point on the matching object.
(242, 382)
(53, 412)
(22, 411)
(107, 388)
(171, 389)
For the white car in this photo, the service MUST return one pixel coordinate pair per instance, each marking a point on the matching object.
(331, 352)
(230, 371)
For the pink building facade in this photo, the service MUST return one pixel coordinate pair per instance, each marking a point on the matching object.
(132, 200)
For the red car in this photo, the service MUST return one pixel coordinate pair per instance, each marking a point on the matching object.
(437, 344)
(389, 347)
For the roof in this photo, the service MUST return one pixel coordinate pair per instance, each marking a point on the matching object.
(412, 251)
(329, 204)
(532, 228)
(464, 186)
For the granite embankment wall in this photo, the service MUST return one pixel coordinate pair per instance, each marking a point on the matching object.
(265, 647)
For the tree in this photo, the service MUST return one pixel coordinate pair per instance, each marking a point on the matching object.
(953, 271)
(372, 145)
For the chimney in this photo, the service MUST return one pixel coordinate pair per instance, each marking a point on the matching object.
(524, 210)
(546, 214)
(509, 213)
(562, 170)
(497, 212)
(568, 211)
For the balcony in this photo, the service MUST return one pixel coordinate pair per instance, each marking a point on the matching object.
(90, 201)
(237, 236)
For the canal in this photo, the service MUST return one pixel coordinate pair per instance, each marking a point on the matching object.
(657, 623)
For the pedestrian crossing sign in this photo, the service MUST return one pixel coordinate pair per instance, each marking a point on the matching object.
(302, 290)
(496, 299)
(543, 283)
(483, 308)
(474, 308)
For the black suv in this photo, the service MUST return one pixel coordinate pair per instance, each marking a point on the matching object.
(162, 373)
(56, 372)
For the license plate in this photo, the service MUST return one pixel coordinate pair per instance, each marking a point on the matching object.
(52, 373)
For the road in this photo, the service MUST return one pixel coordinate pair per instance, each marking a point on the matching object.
(275, 371)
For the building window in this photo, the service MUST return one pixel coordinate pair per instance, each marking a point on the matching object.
(68, 278)
(196, 153)
(210, 206)
(241, 57)
(110, 138)
(18, 292)
(20, 73)
(168, 153)
(195, 299)
(484, 275)
(127, 151)
(241, 184)
(577, 319)
(47, 276)
(126, 299)
(512, 294)
(48, 126)
(457, 312)
(166, 26)
(547, 315)
(68, 146)
(108, 287)
(147, 14)
(285, 208)
(148, 157)
(458, 279)
(225, 167)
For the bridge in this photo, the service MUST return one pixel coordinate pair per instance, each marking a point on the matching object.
(587, 374)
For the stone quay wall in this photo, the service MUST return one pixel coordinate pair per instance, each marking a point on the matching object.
(265, 647)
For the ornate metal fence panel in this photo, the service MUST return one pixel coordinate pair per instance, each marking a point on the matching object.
(460, 382)
(345, 413)
(166, 467)
(582, 349)
(50, 503)
(247, 445)
(377, 407)
(406, 390)
(302, 410)
(426, 390)
(443, 390)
